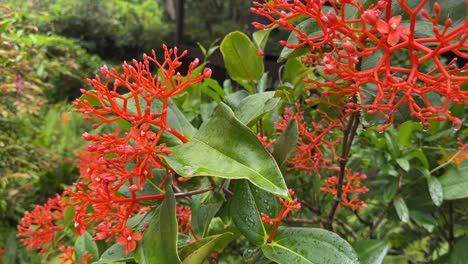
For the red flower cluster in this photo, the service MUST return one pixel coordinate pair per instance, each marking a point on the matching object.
(286, 207)
(183, 214)
(351, 186)
(315, 148)
(119, 163)
(38, 228)
(67, 256)
(344, 47)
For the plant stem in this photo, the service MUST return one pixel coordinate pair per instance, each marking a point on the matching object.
(348, 135)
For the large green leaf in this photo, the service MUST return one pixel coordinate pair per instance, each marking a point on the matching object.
(253, 107)
(159, 244)
(241, 57)
(455, 182)
(85, 243)
(309, 245)
(246, 208)
(286, 142)
(459, 255)
(202, 214)
(371, 251)
(224, 147)
(198, 251)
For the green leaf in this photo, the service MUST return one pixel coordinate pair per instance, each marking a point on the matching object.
(246, 208)
(241, 157)
(286, 142)
(435, 190)
(202, 214)
(115, 253)
(371, 251)
(406, 130)
(309, 245)
(85, 243)
(455, 182)
(404, 164)
(159, 244)
(241, 57)
(200, 249)
(401, 208)
(459, 254)
(260, 37)
(253, 107)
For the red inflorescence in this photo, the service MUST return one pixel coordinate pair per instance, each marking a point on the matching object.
(39, 227)
(350, 188)
(67, 256)
(359, 55)
(315, 148)
(184, 223)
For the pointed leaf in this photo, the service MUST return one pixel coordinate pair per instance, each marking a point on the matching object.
(253, 107)
(401, 208)
(260, 37)
(85, 243)
(309, 246)
(200, 249)
(286, 142)
(241, 57)
(159, 244)
(202, 214)
(435, 190)
(371, 251)
(246, 208)
(241, 157)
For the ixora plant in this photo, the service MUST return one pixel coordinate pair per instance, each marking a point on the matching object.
(366, 95)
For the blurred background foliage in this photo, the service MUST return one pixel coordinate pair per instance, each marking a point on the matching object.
(47, 50)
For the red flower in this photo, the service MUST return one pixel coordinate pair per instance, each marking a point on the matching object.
(128, 240)
(393, 29)
(67, 256)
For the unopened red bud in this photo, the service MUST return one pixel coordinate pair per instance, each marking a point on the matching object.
(207, 73)
(349, 47)
(332, 17)
(437, 8)
(448, 22)
(104, 70)
(282, 22)
(133, 188)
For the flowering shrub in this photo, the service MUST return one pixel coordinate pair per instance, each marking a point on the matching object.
(365, 98)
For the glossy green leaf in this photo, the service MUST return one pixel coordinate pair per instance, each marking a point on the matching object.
(309, 245)
(455, 182)
(459, 254)
(286, 142)
(159, 243)
(371, 251)
(401, 208)
(241, 157)
(246, 208)
(241, 57)
(253, 107)
(85, 243)
(116, 253)
(198, 251)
